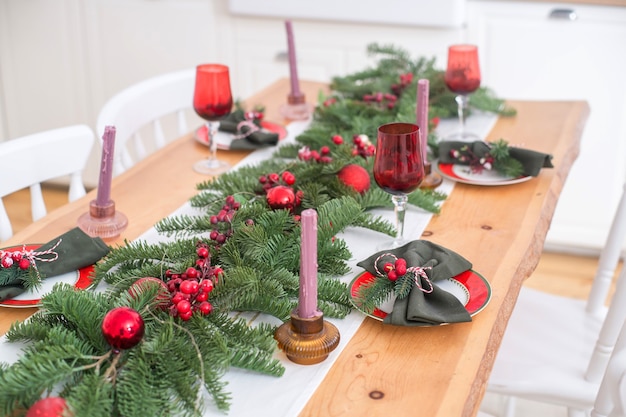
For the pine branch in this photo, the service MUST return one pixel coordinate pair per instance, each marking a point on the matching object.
(91, 396)
(372, 294)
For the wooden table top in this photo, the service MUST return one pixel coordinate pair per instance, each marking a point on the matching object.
(440, 371)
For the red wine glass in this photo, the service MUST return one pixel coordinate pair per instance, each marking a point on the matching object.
(212, 100)
(398, 168)
(463, 78)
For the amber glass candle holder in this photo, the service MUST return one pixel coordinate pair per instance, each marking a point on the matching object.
(307, 341)
(431, 179)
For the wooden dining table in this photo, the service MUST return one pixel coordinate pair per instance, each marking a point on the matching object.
(387, 370)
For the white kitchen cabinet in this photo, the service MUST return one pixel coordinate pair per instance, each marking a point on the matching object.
(323, 49)
(132, 40)
(42, 76)
(60, 61)
(558, 51)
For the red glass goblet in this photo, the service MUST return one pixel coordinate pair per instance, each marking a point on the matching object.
(463, 78)
(212, 100)
(398, 168)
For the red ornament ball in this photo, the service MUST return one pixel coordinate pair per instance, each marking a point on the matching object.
(281, 197)
(47, 407)
(142, 284)
(356, 177)
(123, 327)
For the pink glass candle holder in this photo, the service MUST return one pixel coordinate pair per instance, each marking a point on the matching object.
(296, 108)
(103, 220)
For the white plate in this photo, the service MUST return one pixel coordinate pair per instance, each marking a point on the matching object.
(463, 174)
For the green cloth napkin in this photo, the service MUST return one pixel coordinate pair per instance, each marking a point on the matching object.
(420, 308)
(532, 161)
(255, 140)
(75, 250)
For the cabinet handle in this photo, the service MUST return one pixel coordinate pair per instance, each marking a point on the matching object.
(563, 14)
(282, 56)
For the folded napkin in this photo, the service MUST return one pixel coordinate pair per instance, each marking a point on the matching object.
(532, 161)
(253, 136)
(71, 251)
(422, 308)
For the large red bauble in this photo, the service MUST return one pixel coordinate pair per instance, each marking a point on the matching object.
(281, 197)
(47, 407)
(123, 327)
(355, 176)
(162, 297)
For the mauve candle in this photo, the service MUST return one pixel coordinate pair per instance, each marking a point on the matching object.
(293, 68)
(422, 115)
(106, 167)
(307, 300)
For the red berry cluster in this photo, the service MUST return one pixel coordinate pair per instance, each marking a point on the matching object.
(254, 115)
(395, 270)
(8, 259)
(273, 179)
(405, 81)
(189, 291)
(322, 156)
(220, 234)
(329, 102)
(387, 100)
(476, 163)
(363, 146)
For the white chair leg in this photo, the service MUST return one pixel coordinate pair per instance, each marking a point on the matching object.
(509, 406)
(609, 332)
(608, 259)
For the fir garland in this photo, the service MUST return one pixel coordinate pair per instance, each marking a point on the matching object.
(258, 263)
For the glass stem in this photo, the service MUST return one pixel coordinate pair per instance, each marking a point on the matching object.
(399, 201)
(462, 100)
(212, 128)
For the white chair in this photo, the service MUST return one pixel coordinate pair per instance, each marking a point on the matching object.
(556, 349)
(30, 160)
(142, 104)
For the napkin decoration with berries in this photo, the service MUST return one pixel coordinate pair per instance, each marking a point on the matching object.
(68, 252)
(499, 156)
(249, 134)
(411, 272)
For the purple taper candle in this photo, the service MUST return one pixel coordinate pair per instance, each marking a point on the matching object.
(422, 115)
(307, 299)
(293, 68)
(106, 167)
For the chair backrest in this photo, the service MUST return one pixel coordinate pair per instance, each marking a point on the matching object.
(30, 160)
(142, 104)
(607, 265)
